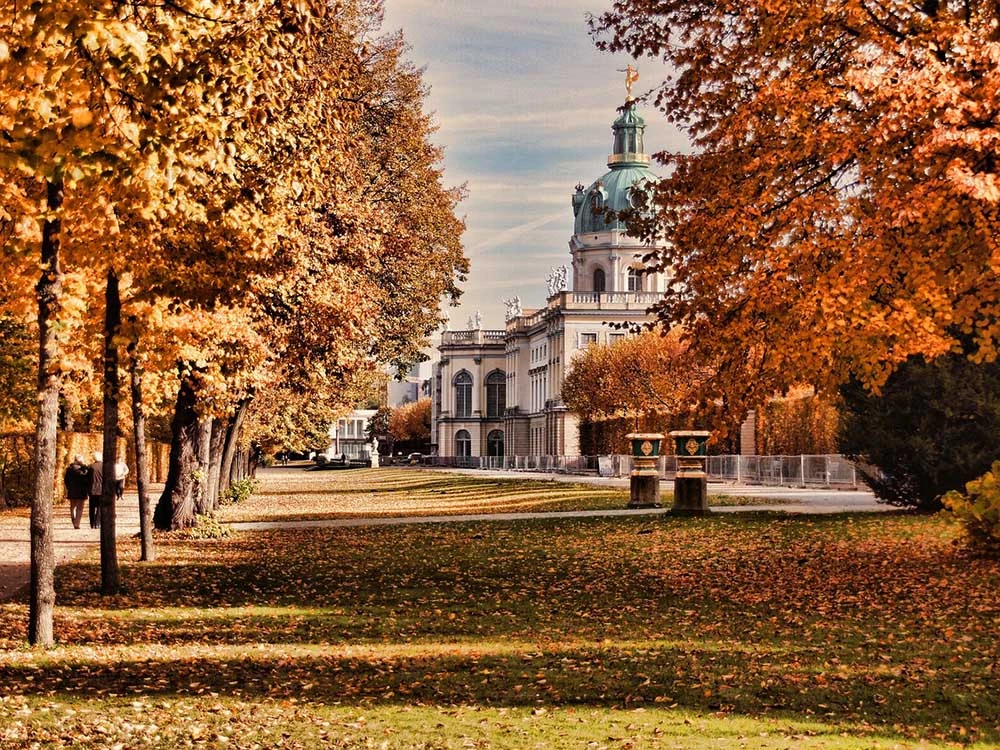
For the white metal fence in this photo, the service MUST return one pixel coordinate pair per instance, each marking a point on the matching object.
(788, 471)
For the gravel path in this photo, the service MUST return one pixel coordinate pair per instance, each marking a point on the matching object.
(70, 543)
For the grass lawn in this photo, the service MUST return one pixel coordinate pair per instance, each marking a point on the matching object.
(742, 631)
(301, 494)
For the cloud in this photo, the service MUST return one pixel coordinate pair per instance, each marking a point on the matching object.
(524, 103)
(515, 232)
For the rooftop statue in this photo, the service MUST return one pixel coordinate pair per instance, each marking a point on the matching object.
(513, 305)
(631, 76)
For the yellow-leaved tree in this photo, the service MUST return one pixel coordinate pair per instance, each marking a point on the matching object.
(117, 119)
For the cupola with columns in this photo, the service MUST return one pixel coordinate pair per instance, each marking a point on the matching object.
(605, 258)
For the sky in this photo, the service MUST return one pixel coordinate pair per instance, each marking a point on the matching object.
(524, 102)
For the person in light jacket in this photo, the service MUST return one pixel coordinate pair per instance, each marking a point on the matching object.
(121, 471)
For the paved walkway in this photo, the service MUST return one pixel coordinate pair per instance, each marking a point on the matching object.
(70, 543)
(792, 499)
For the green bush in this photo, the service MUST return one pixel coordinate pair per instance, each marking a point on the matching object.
(239, 491)
(979, 509)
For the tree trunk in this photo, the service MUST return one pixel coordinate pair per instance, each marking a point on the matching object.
(202, 501)
(216, 445)
(175, 508)
(147, 554)
(233, 430)
(43, 561)
(112, 392)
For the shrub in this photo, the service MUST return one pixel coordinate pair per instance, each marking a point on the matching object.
(934, 427)
(979, 509)
(239, 491)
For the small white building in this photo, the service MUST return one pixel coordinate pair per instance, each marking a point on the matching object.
(498, 392)
(349, 436)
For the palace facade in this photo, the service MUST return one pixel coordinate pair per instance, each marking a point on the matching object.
(498, 392)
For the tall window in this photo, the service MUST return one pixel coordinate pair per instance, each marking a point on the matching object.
(463, 394)
(634, 280)
(599, 282)
(496, 394)
(463, 444)
(494, 443)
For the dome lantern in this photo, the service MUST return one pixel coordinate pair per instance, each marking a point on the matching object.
(594, 207)
(629, 129)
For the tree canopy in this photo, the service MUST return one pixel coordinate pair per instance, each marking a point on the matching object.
(639, 374)
(839, 211)
(248, 190)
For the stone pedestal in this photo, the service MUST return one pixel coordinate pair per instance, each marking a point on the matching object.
(644, 490)
(644, 480)
(691, 480)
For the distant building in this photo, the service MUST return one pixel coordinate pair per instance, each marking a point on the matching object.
(349, 436)
(498, 392)
(415, 386)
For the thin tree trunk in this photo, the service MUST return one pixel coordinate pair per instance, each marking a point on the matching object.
(233, 430)
(202, 501)
(147, 554)
(112, 392)
(216, 445)
(43, 561)
(175, 509)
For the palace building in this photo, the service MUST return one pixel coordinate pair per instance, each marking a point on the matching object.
(496, 393)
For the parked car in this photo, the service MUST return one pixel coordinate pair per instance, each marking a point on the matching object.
(415, 458)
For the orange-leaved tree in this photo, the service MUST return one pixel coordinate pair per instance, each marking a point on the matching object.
(840, 205)
(641, 374)
(411, 422)
(370, 245)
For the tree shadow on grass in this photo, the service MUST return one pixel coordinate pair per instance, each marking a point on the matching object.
(736, 682)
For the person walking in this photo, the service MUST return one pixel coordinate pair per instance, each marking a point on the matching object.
(77, 481)
(96, 489)
(121, 471)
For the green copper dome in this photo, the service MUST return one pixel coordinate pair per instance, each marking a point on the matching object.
(629, 167)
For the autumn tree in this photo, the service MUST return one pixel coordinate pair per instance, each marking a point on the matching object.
(410, 424)
(800, 422)
(117, 117)
(638, 374)
(371, 246)
(643, 381)
(838, 212)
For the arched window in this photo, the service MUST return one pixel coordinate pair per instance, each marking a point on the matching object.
(463, 394)
(494, 443)
(634, 280)
(463, 444)
(496, 394)
(599, 280)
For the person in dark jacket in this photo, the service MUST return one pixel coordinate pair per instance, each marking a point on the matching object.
(77, 481)
(96, 489)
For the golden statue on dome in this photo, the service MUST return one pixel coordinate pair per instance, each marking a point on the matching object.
(631, 76)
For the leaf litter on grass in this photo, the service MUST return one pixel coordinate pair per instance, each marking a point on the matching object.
(807, 629)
